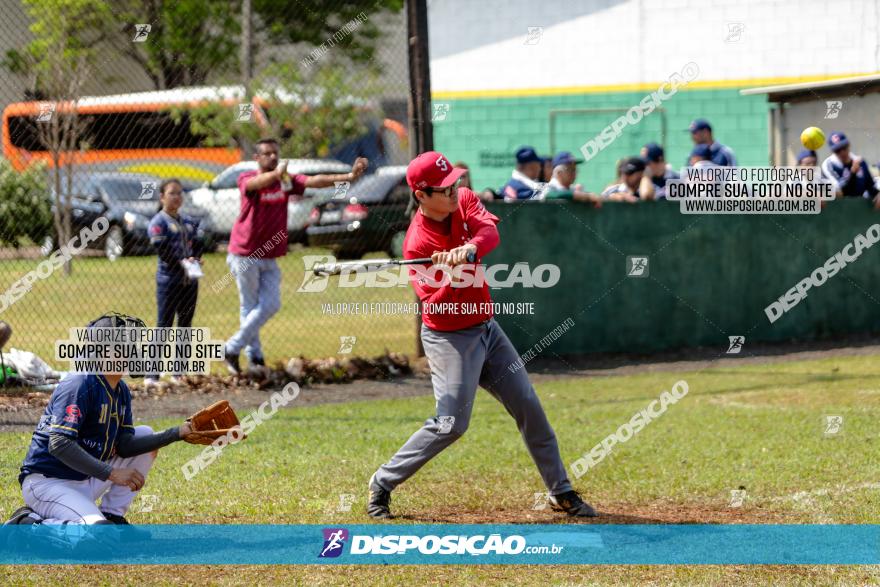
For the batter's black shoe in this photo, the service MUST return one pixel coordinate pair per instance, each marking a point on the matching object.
(22, 516)
(378, 506)
(572, 504)
(257, 361)
(231, 362)
(129, 532)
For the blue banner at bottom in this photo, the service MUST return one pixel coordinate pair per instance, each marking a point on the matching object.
(587, 544)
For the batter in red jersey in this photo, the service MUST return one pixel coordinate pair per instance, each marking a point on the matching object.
(465, 349)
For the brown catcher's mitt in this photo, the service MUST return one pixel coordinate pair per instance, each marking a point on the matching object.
(209, 424)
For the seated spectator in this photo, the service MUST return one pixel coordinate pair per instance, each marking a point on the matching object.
(524, 182)
(547, 169)
(631, 172)
(847, 170)
(465, 181)
(561, 183)
(701, 134)
(657, 172)
(701, 156)
(807, 158)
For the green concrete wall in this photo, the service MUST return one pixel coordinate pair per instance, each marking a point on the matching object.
(485, 132)
(710, 276)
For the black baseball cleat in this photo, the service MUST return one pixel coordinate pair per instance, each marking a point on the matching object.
(129, 532)
(22, 516)
(231, 362)
(257, 361)
(378, 506)
(572, 504)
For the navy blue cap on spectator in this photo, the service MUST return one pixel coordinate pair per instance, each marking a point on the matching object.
(702, 151)
(653, 152)
(632, 165)
(837, 141)
(806, 153)
(564, 158)
(527, 155)
(700, 124)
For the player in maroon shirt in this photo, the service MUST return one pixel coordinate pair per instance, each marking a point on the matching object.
(259, 237)
(464, 345)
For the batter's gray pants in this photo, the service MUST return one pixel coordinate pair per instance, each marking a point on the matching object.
(461, 360)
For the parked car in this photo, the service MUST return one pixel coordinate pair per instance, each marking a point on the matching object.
(121, 198)
(371, 216)
(221, 197)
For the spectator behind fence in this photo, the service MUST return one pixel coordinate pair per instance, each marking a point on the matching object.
(175, 238)
(657, 173)
(465, 180)
(847, 170)
(701, 157)
(524, 182)
(262, 226)
(561, 185)
(701, 134)
(631, 171)
(807, 158)
(546, 169)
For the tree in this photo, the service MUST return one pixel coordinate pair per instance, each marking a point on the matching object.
(25, 209)
(59, 60)
(308, 114)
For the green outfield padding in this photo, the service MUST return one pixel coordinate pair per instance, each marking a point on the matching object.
(709, 276)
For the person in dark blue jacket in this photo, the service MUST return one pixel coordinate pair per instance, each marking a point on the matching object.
(525, 181)
(847, 170)
(175, 238)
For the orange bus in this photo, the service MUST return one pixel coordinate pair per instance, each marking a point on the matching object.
(132, 133)
(136, 133)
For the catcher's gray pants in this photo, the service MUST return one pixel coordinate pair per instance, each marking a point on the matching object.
(461, 360)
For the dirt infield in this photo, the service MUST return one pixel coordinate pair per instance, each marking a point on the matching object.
(19, 413)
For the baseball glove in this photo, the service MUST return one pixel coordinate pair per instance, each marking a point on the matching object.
(209, 424)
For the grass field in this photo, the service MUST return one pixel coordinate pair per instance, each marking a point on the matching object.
(129, 285)
(757, 427)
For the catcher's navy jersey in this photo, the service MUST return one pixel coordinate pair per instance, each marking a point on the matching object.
(85, 408)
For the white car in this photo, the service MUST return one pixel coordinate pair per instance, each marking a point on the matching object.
(221, 198)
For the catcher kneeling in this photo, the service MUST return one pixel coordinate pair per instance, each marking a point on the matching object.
(86, 447)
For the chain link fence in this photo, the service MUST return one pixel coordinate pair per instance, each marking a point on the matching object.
(103, 102)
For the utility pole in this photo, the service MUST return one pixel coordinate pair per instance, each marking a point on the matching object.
(421, 131)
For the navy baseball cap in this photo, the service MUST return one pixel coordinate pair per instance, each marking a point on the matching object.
(702, 151)
(837, 141)
(632, 165)
(652, 152)
(528, 155)
(806, 153)
(700, 124)
(565, 158)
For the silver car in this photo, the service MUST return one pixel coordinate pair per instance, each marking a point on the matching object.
(221, 198)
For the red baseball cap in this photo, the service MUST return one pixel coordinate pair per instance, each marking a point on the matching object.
(432, 169)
